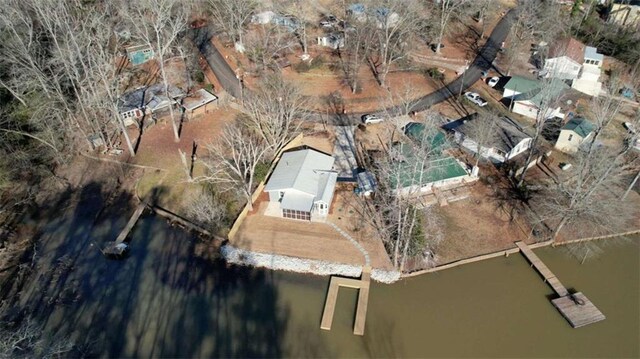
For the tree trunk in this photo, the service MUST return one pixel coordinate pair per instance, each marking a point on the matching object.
(563, 221)
(176, 134)
(127, 139)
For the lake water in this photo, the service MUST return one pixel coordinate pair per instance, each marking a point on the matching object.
(166, 301)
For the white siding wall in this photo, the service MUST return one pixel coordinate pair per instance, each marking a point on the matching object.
(274, 196)
(562, 68)
(519, 148)
(525, 108)
(568, 141)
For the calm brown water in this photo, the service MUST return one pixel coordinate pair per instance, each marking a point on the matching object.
(164, 301)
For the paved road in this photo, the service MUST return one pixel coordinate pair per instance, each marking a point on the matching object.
(488, 53)
(201, 37)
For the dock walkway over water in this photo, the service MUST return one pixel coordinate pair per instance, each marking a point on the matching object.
(362, 285)
(576, 308)
(548, 276)
(132, 222)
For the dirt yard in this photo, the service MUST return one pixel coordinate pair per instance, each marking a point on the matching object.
(312, 240)
(158, 149)
(477, 225)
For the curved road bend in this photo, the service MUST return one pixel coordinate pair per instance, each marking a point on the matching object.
(482, 62)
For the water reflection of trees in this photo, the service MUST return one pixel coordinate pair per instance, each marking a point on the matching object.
(169, 298)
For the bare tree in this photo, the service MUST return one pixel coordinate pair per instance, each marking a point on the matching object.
(483, 133)
(547, 96)
(276, 109)
(158, 23)
(396, 211)
(206, 209)
(444, 11)
(233, 159)
(27, 341)
(303, 13)
(357, 42)
(232, 17)
(268, 44)
(482, 11)
(588, 195)
(535, 22)
(394, 24)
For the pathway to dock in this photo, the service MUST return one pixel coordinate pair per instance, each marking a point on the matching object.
(576, 308)
(362, 285)
(132, 222)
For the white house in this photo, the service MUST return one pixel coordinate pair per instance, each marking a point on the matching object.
(573, 134)
(588, 81)
(263, 18)
(302, 185)
(564, 59)
(526, 96)
(334, 40)
(511, 139)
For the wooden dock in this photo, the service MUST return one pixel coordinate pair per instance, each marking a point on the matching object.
(576, 308)
(545, 272)
(362, 285)
(132, 222)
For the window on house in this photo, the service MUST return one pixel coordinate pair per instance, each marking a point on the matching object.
(570, 137)
(293, 214)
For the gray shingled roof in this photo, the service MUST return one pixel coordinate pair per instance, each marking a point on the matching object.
(510, 133)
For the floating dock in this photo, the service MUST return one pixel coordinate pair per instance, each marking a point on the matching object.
(576, 308)
(362, 285)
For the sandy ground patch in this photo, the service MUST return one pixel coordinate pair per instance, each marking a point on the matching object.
(311, 240)
(476, 226)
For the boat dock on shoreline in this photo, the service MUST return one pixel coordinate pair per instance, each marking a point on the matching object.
(576, 308)
(362, 285)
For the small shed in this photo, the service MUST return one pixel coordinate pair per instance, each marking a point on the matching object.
(199, 103)
(573, 134)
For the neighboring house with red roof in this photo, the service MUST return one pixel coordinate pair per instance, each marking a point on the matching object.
(565, 59)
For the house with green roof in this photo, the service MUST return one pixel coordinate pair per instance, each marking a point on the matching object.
(573, 134)
(527, 96)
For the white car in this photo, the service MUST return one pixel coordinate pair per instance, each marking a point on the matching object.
(367, 119)
(475, 98)
(493, 81)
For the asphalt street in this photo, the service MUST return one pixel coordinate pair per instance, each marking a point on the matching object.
(483, 62)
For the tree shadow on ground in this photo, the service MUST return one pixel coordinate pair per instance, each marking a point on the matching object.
(172, 297)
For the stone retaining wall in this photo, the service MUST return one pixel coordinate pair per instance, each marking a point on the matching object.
(301, 265)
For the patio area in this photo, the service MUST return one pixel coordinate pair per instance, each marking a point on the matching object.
(311, 240)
